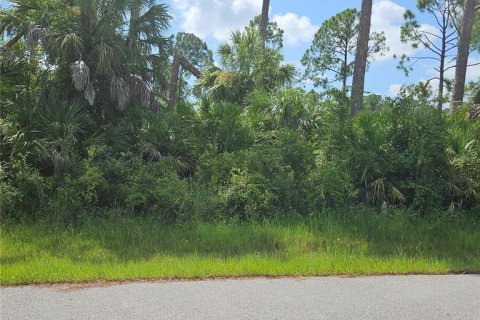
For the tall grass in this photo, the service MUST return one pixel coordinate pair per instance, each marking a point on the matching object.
(352, 243)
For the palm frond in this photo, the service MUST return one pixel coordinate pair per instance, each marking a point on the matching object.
(119, 91)
(80, 73)
(397, 195)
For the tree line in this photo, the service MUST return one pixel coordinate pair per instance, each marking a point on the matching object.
(100, 115)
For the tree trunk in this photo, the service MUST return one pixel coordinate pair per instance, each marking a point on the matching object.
(440, 85)
(443, 54)
(344, 69)
(462, 54)
(134, 16)
(262, 27)
(358, 82)
(173, 87)
(190, 67)
(179, 60)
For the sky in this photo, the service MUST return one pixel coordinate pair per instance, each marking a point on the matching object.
(213, 21)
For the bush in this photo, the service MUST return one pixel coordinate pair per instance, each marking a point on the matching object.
(262, 182)
(250, 197)
(76, 196)
(330, 186)
(136, 186)
(24, 191)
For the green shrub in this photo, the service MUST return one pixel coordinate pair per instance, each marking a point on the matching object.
(249, 197)
(24, 191)
(156, 188)
(76, 196)
(262, 182)
(330, 186)
(463, 149)
(136, 186)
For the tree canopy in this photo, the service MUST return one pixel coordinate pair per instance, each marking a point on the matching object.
(330, 57)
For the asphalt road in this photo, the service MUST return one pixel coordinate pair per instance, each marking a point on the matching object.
(386, 297)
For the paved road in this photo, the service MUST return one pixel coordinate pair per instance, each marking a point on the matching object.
(391, 297)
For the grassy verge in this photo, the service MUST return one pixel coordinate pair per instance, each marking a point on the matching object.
(351, 244)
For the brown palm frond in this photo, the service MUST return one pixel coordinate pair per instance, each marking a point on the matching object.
(89, 93)
(119, 91)
(474, 113)
(397, 195)
(376, 191)
(140, 89)
(36, 33)
(80, 74)
(60, 162)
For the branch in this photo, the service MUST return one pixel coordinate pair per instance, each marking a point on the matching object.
(451, 34)
(426, 45)
(422, 58)
(436, 18)
(433, 34)
(452, 15)
(468, 65)
(450, 42)
(453, 59)
(410, 66)
(333, 49)
(453, 47)
(12, 41)
(190, 67)
(329, 69)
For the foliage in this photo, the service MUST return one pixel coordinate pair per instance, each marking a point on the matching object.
(196, 52)
(329, 58)
(23, 191)
(78, 141)
(245, 65)
(274, 36)
(111, 59)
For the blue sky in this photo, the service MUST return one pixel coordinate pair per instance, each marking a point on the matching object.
(212, 20)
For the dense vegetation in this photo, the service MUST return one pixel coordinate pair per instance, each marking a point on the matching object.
(87, 129)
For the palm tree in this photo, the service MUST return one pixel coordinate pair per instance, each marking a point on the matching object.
(245, 66)
(295, 109)
(109, 58)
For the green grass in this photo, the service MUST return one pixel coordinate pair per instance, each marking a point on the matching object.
(347, 244)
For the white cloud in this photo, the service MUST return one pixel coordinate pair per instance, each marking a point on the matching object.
(473, 72)
(394, 89)
(216, 18)
(297, 29)
(387, 16)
